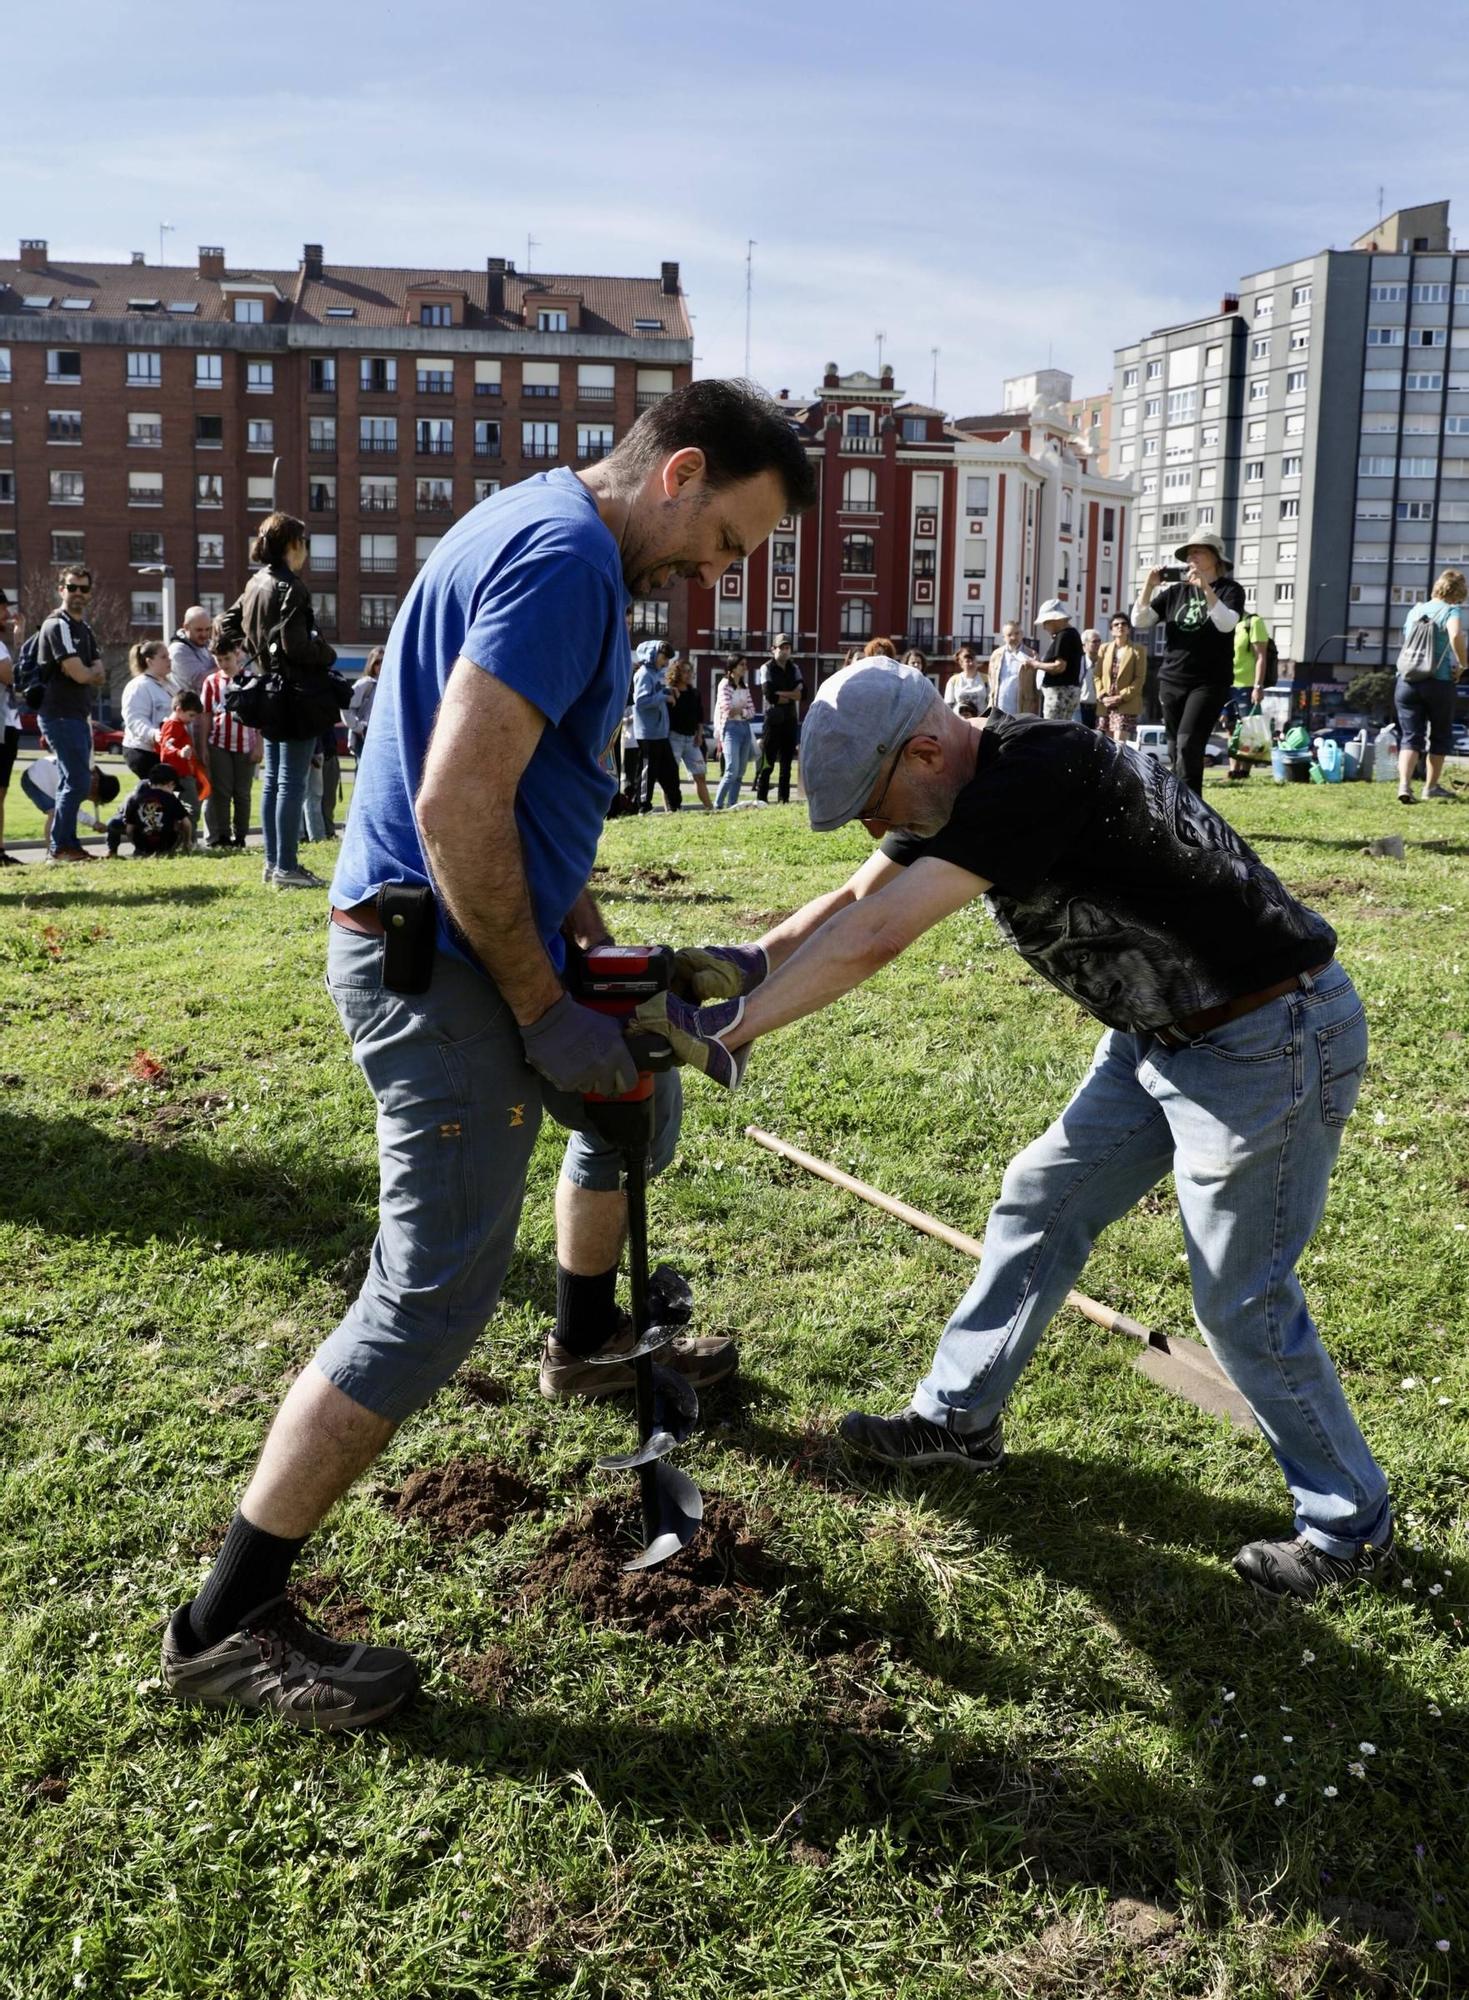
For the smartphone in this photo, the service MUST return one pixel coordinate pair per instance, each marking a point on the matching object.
(1171, 574)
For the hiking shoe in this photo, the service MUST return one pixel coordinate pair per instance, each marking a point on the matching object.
(1299, 1569)
(910, 1440)
(279, 1661)
(702, 1359)
(70, 854)
(297, 878)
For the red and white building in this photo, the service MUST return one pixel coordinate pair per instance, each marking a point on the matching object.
(928, 530)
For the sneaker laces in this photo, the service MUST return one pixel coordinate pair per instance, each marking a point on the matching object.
(300, 1644)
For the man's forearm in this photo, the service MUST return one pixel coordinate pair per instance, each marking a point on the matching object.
(478, 870)
(835, 958)
(583, 923)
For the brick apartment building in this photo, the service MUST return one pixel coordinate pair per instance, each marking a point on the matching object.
(154, 414)
(927, 529)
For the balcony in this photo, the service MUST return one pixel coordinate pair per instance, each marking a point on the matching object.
(377, 619)
(435, 385)
(378, 387)
(382, 446)
(434, 447)
(539, 451)
(438, 503)
(542, 392)
(861, 446)
(588, 395)
(490, 454)
(487, 389)
(858, 566)
(322, 443)
(586, 453)
(138, 496)
(648, 399)
(378, 565)
(149, 437)
(378, 503)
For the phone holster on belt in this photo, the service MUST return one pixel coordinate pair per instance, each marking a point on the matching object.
(410, 922)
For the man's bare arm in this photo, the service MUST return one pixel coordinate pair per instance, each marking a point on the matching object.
(483, 738)
(788, 937)
(854, 944)
(583, 923)
(78, 670)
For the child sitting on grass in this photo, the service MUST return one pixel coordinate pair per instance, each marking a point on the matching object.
(176, 748)
(154, 817)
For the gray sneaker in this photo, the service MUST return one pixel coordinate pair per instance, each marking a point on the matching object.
(297, 878)
(267, 874)
(279, 1661)
(909, 1440)
(1297, 1568)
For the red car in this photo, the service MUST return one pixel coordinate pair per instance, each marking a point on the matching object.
(104, 736)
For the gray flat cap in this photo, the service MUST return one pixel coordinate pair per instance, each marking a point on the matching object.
(858, 719)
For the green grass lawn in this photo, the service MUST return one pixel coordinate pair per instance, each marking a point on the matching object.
(23, 822)
(1004, 1738)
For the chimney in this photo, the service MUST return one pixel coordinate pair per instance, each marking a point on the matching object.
(33, 253)
(211, 260)
(1229, 303)
(495, 268)
(311, 256)
(139, 258)
(670, 280)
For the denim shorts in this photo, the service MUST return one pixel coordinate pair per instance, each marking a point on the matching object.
(688, 753)
(458, 1110)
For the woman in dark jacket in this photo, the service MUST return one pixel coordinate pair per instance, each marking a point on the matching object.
(273, 619)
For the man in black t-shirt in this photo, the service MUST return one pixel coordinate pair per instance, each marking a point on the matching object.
(1199, 615)
(781, 688)
(69, 661)
(1232, 1057)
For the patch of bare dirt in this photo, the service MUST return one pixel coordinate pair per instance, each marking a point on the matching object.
(1331, 1969)
(48, 1791)
(805, 1855)
(846, 1698)
(488, 1676)
(336, 1608)
(1137, 1923)
(464, 1498)
(477, 1387)
(725, 1571)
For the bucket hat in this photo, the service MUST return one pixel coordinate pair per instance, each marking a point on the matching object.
(1204, 538)
(1052, 608)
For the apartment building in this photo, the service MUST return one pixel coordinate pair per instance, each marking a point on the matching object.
(1334, 455)
(153, 415)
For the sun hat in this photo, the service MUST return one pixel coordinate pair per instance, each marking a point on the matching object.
(857, 720)
(1203, 538)
(1052, 608)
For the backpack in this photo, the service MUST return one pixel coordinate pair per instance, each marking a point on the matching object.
(1418, 654)
(30, 676)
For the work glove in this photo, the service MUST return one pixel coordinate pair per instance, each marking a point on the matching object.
(718, 971)
(693, 1034)
(580, 1050)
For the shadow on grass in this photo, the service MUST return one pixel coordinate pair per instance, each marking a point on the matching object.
(1430, 846)
(50, 894)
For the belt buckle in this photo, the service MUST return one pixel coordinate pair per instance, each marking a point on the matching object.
(1170, 1036)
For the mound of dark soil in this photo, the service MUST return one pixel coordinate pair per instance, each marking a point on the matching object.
(329, 1603)
(464, 1498)
(722, 1574)
(477, 1387)
(489, 1675)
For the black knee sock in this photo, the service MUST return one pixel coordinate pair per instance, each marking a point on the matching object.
(586, 1310)
(249, 1571)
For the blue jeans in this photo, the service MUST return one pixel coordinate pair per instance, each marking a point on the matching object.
(458, 1110)
(739, 748)
(70, 737)
(1248, 1119)
(281, 794)
(315, 820)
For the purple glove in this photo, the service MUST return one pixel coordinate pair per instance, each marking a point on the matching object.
(718, 971)
(693, 1034)
(580, 1050)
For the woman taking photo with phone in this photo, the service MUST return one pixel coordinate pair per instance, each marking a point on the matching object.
(1200, 607)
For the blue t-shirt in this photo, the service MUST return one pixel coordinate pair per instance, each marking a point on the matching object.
(528, 586)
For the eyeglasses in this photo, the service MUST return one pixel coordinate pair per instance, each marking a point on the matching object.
(875, 812)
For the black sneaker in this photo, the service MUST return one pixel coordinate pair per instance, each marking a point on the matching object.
(1300, 1569)
(910, 1440)
(280, 1662)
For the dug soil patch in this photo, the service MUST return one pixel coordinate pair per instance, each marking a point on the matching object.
(722, 1575)
(333, 1605)
(464, 1498)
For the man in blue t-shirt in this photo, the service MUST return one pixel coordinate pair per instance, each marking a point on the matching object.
(484, 783)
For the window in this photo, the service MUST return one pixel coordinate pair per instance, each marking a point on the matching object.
(915, 430)
(1290, 510)
(1250, 513)
(435, 315)
(63, 364)
(378, 553)
(145, 546)
(145, 369)
(6, 434)
(249, 312)
(1295, 426)
(1173, 521)
(321, 434)
(1255, 432)
(551, 319)
(859, 555)
(321, 493)
(1457, 426)
(208, 371)
(540, 378)
(377, 613)
(1178, 483)
(1300, 295)
(1260, 389)
(1109, 524)
(859, 424)
(1209, 438)
(1213, 357)
(1372, 467)
(1178, 447)
(323, 554)
(260, 434)
(485, 489)
(321, 374)
(1155, 371)
(147, 608)
(1418, 379)
(486, 438)
(433, 437)
(1428, 336)
(1150, 447)
(1265, 307)
(783, 555)
(145, 489)
(649, 618)
(145, 429)
(68, 489)
(1249, 555)
(975, 555)
(1148, 483)
(540, 440)
(1300, 339)
(487, 378)
(326, 603)
(210, 552)
(1380, 378)
(1290, 466)
(1211, 397)
(378, 495)
(1254, 469)
(856, 618)
(208, 489)
(1384, 336)
(209, 433)
(1260, 347)
(434, 378)
(433, 496)
(1415, 510)
(1153, 407)
(1126, 453)
(1285, 554)
(423, 548)
(1129, 417)
(859, 490)
(5, 365)
(258, 492)
(1417, 468)
(377, 434)
(1387, 295)
(1295, 381)
(63, 427)
(212, 602)
(593, 441)
(1183, 405)
(68, 548)
(377, 375)
(1206, 517)
(1285, 593)
(260, 378)
(1129, 378)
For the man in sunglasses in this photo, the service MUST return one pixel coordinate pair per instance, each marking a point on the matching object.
(69, 661)
(1232, 1057)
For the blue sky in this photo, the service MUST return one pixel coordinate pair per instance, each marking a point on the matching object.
(1005, 183)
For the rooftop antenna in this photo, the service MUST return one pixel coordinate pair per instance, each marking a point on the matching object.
(531, 243)
(879, 338)
(749, 291)
(162, 227)
(933, 396)
(1381, 193)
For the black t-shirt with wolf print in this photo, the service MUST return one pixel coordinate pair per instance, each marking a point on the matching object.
(1119, 886)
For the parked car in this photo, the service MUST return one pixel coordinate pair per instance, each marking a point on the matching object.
(1459, 747)
(104, 736)
(1152, 741)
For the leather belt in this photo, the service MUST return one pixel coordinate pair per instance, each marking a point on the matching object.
(361, 918)
(1178, 1034)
